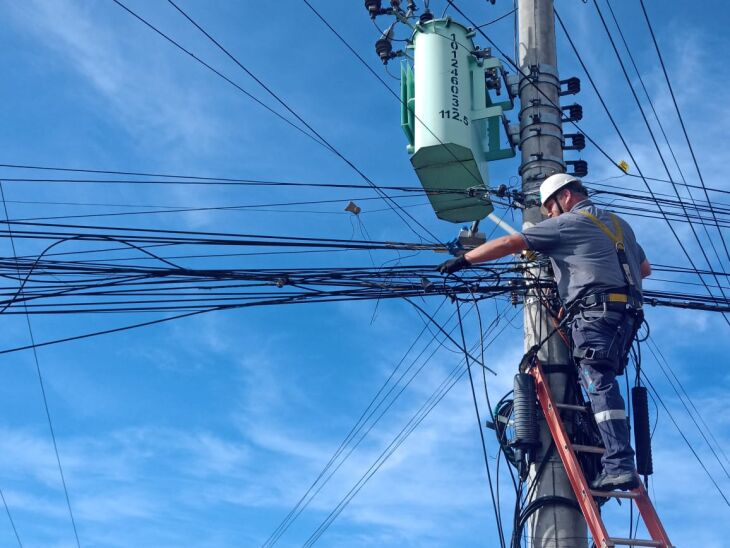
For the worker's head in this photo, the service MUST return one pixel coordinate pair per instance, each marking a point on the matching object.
(560, 192)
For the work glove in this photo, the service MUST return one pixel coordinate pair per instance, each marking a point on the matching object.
(453, 265)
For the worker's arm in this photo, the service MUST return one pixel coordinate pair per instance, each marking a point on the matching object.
(489, 251)
(645, 268)
(496, 249)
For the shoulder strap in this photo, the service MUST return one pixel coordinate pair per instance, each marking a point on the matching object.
(617, 237)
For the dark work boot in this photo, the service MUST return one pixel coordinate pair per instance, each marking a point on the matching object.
(613, 482)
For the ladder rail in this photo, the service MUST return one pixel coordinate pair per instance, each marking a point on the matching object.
(572, 467)
(583, 492)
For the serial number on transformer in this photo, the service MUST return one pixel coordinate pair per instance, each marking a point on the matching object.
(454, 112)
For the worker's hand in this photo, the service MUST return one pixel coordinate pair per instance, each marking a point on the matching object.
(453, 265)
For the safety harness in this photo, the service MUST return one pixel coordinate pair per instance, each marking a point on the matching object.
(632, 297)
(629, 300)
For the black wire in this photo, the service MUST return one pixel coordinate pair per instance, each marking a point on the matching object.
(687, 409)
(510, 12)
(658, 149)
(456, 374)
(365, 416)
(217, 72)
(628, 150)
(679, 114)
(293, 515)
(10, 518)
(481, 429)
(331, 147)
(684, 437)
(43, 394)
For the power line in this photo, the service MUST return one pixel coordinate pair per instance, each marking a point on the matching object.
(324, 142)
(630, 153)
(656, 146)
(679, 114)
(43, 393)
(217, 72)
(449, 382)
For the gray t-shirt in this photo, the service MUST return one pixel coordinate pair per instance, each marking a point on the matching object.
(583, 257)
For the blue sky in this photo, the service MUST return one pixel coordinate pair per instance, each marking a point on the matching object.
(206, 431)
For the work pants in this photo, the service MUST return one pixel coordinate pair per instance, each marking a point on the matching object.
(601, 340)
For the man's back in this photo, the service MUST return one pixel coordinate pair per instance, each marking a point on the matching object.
(584, 257)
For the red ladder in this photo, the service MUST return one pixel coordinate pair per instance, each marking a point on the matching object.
(583, 493)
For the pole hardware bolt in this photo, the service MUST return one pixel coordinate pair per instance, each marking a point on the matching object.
(479, 53)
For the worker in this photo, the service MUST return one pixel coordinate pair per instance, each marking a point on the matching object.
(598, 268)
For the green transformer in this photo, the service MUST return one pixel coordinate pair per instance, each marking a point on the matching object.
(452, 124)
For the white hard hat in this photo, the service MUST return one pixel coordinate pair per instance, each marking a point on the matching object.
(554, 183)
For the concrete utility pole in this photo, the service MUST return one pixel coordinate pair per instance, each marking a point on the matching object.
(541, 140)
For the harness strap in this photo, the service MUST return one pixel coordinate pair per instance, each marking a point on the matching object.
(617, 237)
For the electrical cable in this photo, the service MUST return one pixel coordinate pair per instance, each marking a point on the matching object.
(684, 437)
(479, 427)
(457, 373)
(43, 395)
(656, 146)
(217, 72)
(679, 114)
(628, 150)
(328, 145)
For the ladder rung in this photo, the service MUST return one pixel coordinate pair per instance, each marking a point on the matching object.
(616, 494)
(634, 542)
(581, 408)
(588, 449)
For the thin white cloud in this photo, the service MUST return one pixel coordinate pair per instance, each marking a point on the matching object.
(132, 80)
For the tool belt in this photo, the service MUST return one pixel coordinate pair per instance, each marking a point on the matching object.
(618, 301)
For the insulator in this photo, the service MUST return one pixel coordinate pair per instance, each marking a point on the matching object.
(573, 112)
(527, 432)
(572, 86)
(384, 49)
(580, 167)
(577, 141)
(642, 431)
(425, 17)
(373, 7)
(492, 79)
(514, 298)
